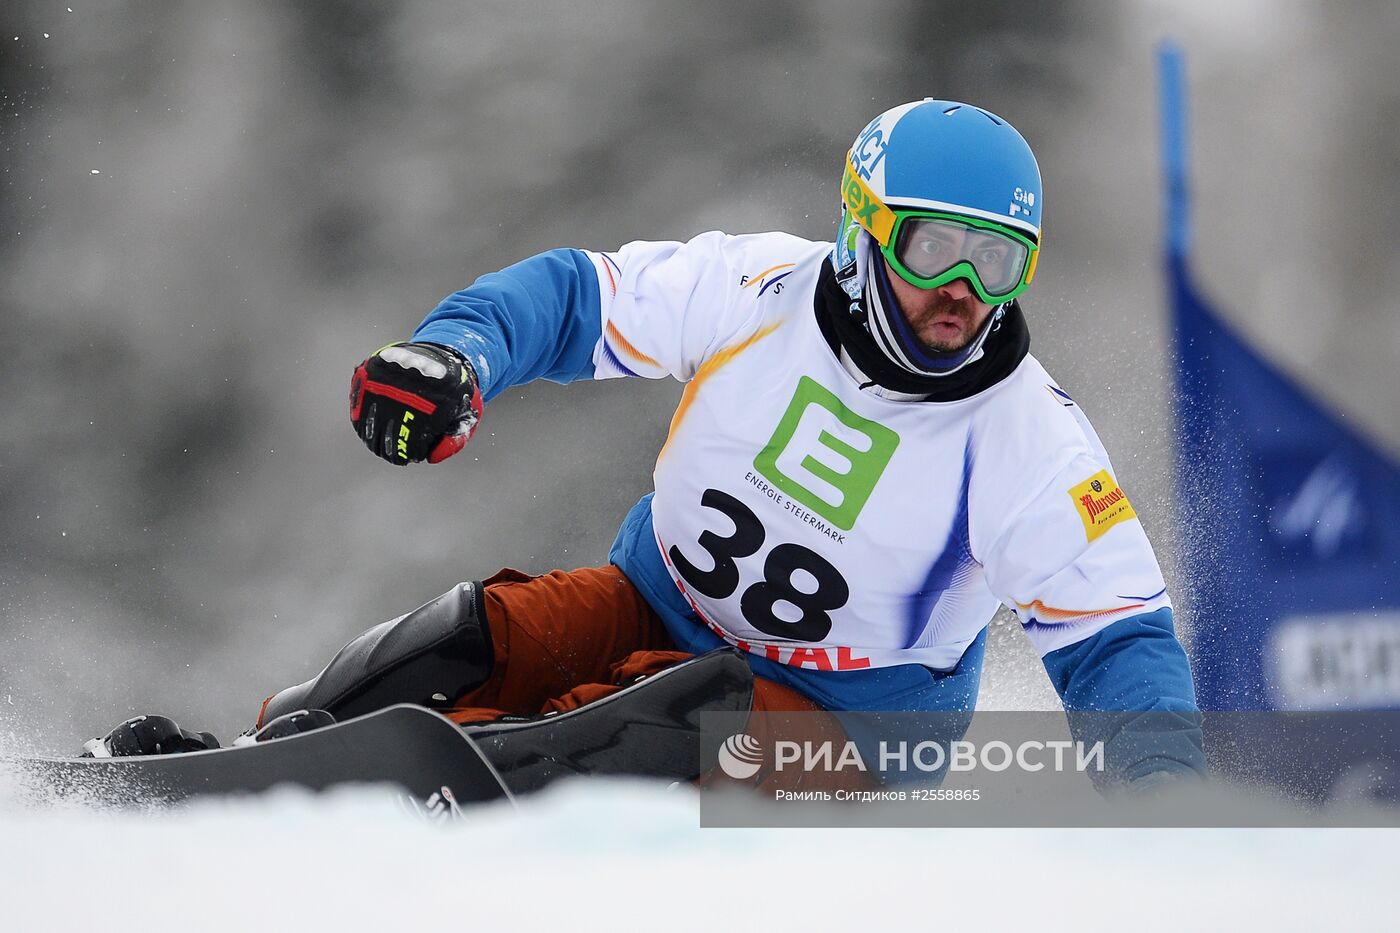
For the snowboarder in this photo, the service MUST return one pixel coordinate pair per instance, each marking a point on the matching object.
(866, 462)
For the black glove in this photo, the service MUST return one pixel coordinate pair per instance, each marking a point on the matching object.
(414, 401)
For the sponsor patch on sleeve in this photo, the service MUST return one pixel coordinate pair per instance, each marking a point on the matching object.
(1101, 504)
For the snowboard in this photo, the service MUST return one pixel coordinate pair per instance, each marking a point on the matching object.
(426, 756)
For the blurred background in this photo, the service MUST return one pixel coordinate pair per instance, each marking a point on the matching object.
(210, 215)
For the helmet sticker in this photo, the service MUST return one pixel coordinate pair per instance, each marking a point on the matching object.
(869, 149)
(1021, 202)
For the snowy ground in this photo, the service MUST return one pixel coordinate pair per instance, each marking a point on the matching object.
(623, 856)
(611, 856)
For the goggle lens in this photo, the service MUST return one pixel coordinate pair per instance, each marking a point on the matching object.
(927, 247)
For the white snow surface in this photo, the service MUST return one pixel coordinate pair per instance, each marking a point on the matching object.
(624, 855)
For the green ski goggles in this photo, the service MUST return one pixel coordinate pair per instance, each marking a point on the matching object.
(929, 249)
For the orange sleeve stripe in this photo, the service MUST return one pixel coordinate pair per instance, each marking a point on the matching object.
(622, 343)
(711, 366)
(1051, 614)
(759, 278)
(607, 267)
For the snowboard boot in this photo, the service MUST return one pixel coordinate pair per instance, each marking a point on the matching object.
(148, 735)
(651, 728)
(429, 656)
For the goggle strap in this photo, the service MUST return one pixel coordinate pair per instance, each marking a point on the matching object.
(867, 209)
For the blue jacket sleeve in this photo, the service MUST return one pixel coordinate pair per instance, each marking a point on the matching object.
(537, 319)
(1130, 686)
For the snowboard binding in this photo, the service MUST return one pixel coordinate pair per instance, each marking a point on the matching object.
(650, 729)
(288, 724)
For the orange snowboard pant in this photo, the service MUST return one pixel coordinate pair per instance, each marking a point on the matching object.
(571, 637)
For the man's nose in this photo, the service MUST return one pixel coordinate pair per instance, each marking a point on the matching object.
(956, 290)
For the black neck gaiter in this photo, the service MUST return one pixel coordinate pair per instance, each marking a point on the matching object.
(1001, 354)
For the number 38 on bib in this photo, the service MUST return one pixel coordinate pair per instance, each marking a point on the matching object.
(790, 594)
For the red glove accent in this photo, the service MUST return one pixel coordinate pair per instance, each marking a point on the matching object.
(357, 396)
(451, 443)
(446, 447)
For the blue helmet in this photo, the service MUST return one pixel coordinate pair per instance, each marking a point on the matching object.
(936, 161)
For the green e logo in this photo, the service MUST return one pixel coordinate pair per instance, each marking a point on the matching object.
(826, 456)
